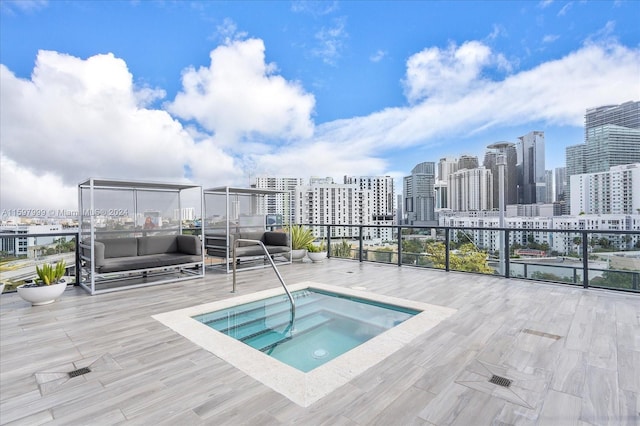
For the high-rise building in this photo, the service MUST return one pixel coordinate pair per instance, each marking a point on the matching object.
(548, 183)
(324, 202)
(531, 168)
(611, 138)
(468, 162)
(442, 194)
(560, 183)
(616, 191)
(575, 159)
(611, 145)
(419, 195)
(382, 191)
(625, 115)
(282, 203)
(471, 190)
(510, 175)
(185, 213)
(446, 166)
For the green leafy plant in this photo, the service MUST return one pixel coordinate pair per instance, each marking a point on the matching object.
(341, 249)
(316, 248)
(50, 274)
(301, 237)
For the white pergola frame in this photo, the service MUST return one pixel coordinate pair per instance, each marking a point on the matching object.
(89, 282)
(228, 193)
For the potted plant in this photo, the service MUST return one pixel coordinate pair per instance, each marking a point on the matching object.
(301, 237)
(317, 253)
(47, 287)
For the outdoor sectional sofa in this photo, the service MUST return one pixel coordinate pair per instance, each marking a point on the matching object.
(143, 253)
(274, 242)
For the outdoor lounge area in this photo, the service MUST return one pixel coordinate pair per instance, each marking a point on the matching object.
(568, 355)
(131, 234)
(232, 214)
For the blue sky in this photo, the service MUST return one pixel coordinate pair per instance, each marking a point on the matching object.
(218, 92)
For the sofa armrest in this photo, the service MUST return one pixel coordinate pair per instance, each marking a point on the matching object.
(189, 244)
(273, 238)
(98, 253)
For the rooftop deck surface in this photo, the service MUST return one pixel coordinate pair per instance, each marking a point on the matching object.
(572, 355)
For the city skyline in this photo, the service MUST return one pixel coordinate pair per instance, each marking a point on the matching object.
(216, 93)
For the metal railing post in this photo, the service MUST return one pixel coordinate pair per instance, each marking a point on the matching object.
(328, 241)
(78, 259)
(585, 260)
(361, 243)
(399, 245)
(447, 247)
(507, 251)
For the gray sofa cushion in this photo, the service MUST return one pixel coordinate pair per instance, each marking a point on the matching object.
(189, 244)
(148, 261)
(119, 247)
(157, 245)
(271, 238)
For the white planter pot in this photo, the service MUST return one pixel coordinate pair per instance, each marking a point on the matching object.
(1, 287)
(42, 295)
(298, 254)
(317, 256)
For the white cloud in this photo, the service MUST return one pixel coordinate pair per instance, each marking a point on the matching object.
(550, 38)
(565, 9)
(228, 31)
(556, 92)
(314, 7)
(24, 189)
(498, 30)
(604, 34)
(545, 3)
(331, 42)
(78, 118)
(239, 96)
(10, 6)
(445, 72)
(378, 56)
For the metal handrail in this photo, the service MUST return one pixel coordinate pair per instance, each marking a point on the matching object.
(273, 265)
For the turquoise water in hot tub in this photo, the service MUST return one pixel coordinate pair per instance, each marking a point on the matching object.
(326, 325)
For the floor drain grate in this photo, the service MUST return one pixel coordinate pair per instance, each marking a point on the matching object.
(500, 381)
(79, 372)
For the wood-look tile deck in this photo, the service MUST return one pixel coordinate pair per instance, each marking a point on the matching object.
(574, 356)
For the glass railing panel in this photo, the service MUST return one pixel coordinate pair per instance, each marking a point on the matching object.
(24, 252)
(421, 247)
(380, 255)
(344, 248)
(471, 251)
(380, 246)
(554, 270)
(615, 279)
(614, 260)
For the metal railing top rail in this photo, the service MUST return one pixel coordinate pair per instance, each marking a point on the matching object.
(22, 235)
(481, 228)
